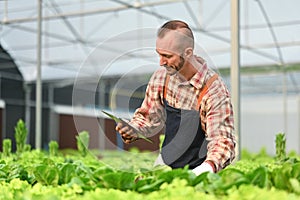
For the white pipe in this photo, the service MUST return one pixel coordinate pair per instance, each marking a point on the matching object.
(284, 94)
(235, 72)
(299, 124)
(38, 117)
(5, 17)
(27, 89)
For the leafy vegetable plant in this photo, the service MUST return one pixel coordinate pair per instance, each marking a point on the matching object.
(20, 136)
(6, 148)
(280, 146)
(83, 139)
(53, 148)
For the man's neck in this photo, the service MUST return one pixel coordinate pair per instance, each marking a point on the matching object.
(188, 70)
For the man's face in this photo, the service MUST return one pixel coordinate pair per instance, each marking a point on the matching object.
(169, 53)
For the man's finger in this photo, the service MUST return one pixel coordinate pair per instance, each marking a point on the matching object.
(125, 129)
(119, 126)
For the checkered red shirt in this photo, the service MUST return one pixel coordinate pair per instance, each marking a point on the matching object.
(216, 111)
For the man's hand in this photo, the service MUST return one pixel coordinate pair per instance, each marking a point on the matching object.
(127, 133)
(204, 167)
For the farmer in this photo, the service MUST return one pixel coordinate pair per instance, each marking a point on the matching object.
(191, 103)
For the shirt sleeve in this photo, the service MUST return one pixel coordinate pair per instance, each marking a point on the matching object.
(218, 123)
(150, 117)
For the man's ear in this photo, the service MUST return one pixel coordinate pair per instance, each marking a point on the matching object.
(188, 52)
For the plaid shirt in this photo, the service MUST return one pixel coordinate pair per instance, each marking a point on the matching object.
(216, 111)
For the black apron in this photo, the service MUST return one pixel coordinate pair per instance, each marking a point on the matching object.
(185, 142)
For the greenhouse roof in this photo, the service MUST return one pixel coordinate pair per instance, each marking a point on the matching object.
(92, 38)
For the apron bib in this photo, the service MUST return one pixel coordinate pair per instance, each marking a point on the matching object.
(185, 142)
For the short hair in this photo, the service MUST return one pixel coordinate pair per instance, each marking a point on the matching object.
(176, 25)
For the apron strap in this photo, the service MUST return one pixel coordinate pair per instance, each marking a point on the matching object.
(205, 88)
(166, 85)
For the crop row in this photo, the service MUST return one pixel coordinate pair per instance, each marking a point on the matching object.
(84, 174)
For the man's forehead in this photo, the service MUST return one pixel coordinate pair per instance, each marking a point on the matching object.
(162, 51)
(168, 43)
(166, 50)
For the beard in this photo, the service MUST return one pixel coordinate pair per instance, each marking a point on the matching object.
(173, 70)
(181, 63)
(170, 70)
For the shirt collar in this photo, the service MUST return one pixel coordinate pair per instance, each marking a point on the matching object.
(199, 77)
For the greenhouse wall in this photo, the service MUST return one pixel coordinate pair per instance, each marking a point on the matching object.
(262, 117)
(67, 122)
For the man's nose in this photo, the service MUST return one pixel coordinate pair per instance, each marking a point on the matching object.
(162, 61)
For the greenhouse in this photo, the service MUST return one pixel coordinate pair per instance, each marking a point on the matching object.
(63, 62)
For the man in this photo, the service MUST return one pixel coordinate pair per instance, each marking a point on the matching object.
(192, 104)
